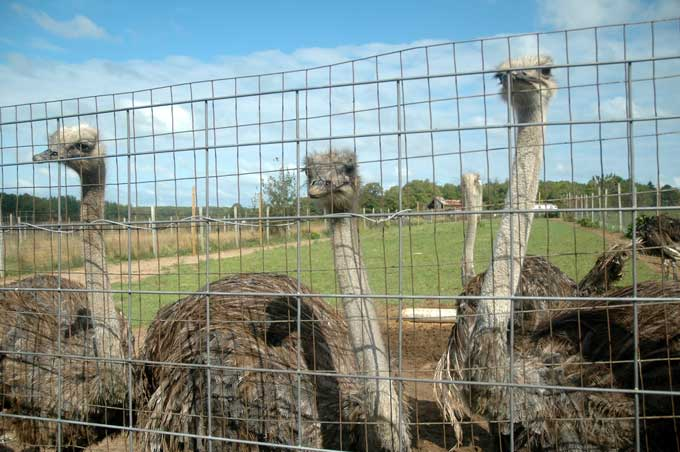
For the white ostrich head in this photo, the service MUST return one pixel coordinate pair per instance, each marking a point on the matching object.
(472, 185)
(532, 84)
(71, 144)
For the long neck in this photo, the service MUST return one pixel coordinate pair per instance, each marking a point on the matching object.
(365, 333)
(511, 240)
(360, 313)
(94, 252)
(472, 197)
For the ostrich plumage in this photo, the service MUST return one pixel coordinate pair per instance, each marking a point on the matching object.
(253, 341)
(55, 343)
(660, 236)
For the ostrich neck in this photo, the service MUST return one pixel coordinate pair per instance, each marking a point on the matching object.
(472, 198)
(359, 311)
(94, 252)
(383, 405)
(511, 240)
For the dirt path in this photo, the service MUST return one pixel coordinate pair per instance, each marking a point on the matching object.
(140, 269)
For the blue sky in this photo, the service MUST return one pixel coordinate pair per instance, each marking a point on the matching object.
(54, 50)
(127, 30)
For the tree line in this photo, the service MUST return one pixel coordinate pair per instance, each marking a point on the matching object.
(279, 194)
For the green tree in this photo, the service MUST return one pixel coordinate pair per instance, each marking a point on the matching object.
(670, 196)
(280, 193)
(371, 196)
(451, 191)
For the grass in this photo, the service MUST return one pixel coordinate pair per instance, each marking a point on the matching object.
(430, 264)
(34, 251)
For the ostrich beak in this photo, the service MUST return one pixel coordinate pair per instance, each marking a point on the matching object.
(523, 76)
(316, 191)
(46, 155)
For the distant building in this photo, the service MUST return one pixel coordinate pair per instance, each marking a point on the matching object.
(548, 210)
(439, 203)
(545, 206)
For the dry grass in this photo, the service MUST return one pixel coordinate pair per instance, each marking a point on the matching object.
(34, 251)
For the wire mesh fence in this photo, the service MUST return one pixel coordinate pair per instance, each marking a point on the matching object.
(287, 260)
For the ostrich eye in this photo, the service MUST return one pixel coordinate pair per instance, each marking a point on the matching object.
(84, 147)
(545, 71)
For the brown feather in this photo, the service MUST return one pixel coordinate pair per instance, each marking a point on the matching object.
(257, 332)
(32, 329)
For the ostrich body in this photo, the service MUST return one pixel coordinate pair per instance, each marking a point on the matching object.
(40, 326)
(253, 341)
(597, 349)
(334, 182)
(472, 199)
(660, 236)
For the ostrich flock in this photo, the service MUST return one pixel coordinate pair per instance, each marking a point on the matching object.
(541, 361)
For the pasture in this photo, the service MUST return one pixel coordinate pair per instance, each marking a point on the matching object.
(431, 258)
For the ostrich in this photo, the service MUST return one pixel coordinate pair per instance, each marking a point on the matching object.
(334, 182)
(660, 236)
(251, 392)
(559, 350)
(479, 351)
(39, 326)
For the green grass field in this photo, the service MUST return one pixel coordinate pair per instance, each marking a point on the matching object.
(430, 264)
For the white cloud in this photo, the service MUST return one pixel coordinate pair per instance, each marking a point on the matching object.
(27, 79)
(77, 27)
(42, 44)
(584, 13)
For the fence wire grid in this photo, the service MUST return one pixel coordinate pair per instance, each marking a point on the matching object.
(287, 261)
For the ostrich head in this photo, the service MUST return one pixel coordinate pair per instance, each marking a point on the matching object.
(72, 145)
(472, 181)
(530, 87)
(333, 180)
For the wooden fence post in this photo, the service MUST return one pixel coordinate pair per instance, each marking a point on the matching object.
(194, 251)
(592, 207)
(599, 204)
(237, 231)
(259, 219)
(201, 228)
(20, 231)
(604, 214)
(267, 224)
(154, 232)
(618, 194)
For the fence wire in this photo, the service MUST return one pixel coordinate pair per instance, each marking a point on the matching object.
(279, 261)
